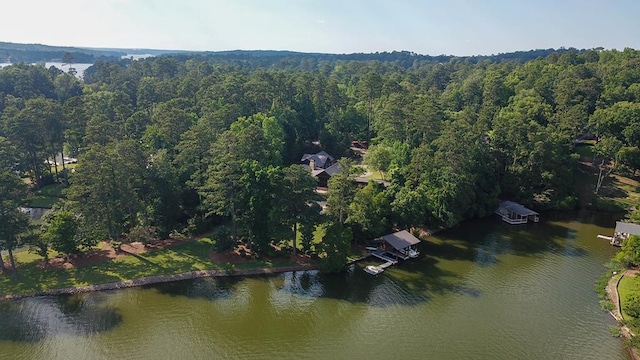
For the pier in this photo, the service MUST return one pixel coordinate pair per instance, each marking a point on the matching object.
(396, 246)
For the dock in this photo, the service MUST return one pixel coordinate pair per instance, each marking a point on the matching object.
(396, 246)
(381, 254)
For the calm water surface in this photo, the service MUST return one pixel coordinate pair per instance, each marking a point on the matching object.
(486, 290)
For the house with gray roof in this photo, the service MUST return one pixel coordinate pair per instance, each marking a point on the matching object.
(317, 161)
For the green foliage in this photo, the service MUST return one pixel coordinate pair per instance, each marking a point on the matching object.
(60, 231)
(168, 139)
(15, 223)
(632, 306)
(615, 331)
(335, 246)
(223, 240)
(629, 254)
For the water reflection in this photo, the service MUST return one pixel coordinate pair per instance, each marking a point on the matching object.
(208, 288)
(31, 320)
(485, 290)
(16, 325)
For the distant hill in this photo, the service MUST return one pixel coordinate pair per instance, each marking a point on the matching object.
(13, 52)
(30, 53)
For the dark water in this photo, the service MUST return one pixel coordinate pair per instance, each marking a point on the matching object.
(486, 290)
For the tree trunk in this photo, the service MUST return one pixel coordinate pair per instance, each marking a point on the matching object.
(295, 233)
(2, 268)
(64, 168)
(13, 262)
(36, 171)
(55, 166)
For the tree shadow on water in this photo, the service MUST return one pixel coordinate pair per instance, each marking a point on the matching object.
(207, 288)
(407, 284)
(482, 241)
(34, 319)
(16, 326)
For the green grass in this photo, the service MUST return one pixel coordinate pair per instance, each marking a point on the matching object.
(47, 196)
(627, 287)
(184, 257)
(585, 150)
(181, 258)
(617, 193)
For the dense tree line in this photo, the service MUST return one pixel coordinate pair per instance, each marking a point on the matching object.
(173, 143)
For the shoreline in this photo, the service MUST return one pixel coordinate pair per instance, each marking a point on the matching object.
(158, 279)
(616, 313)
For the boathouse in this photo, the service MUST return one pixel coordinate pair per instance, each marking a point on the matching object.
(514, 213)
(401, 245)
(624, 231)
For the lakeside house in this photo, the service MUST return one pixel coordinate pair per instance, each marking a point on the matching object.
(323, 166)
(514, 213)
(624, 231)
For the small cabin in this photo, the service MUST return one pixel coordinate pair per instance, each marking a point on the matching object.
(624, 231)
(514, 213)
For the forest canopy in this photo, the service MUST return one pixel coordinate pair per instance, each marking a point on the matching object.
(180, 143)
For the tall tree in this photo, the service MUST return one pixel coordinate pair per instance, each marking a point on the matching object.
(14, 221)
(341, 189)
(294, 201)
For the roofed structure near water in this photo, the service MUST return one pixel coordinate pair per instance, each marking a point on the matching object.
(514, 213)
(627, 228)
(401, 239)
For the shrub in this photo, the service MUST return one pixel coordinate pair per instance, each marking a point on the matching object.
(632, 306)
(224, 240)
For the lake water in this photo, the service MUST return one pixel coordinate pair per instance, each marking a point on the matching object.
(486, 290)
(80, 68)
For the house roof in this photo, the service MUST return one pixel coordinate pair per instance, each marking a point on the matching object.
(401, 239)
(320, 158)
(627, 228)
(517, 208)
(331, 170)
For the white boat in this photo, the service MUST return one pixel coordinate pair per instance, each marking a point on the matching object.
(411, 252)
(373, 270)
(371, 248)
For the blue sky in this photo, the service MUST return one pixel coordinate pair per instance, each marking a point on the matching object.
(457, 27)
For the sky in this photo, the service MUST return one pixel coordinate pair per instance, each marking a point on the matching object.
(430, 27)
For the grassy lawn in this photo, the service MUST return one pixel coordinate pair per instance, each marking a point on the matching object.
(585, 150)
(47, 196)
(184, 257)
(318, 234)
(617, 193)
(374, 175)
(629, 286)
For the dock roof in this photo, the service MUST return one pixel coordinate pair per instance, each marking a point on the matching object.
(401, 239)
(627, 228)
(517, 208)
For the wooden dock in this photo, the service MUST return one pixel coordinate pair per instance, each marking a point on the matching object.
(380, 254)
